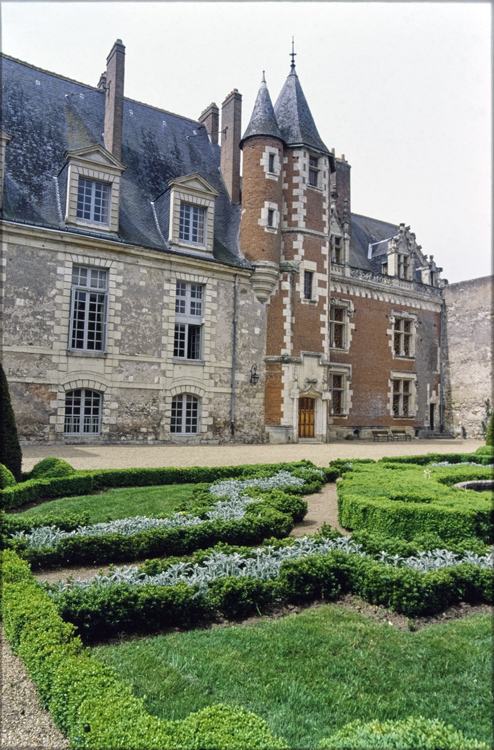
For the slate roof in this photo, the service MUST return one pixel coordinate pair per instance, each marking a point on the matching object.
(263, 119)
(295, 118)
(47, 115)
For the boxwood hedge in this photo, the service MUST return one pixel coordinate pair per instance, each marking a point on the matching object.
(86, 699)
(401, 500)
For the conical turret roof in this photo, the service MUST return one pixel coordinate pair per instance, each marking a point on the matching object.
(263, 120)
(295, 118)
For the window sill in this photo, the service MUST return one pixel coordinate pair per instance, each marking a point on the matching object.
(84, 353)
(309, 301)
(95, 226)
(315, 187)
(406, 357)
(340, 349)
(271, 230)
(184, 361)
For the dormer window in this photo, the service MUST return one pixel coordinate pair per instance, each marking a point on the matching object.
(93, 189)
(337, 254)
(403, 267)
(192, 222)
(191, 218)
(313, 171)
(93, 200)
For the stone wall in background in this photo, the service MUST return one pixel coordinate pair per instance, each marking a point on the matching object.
(468, 355)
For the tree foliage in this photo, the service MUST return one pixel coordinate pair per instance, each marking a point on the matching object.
(10, 450)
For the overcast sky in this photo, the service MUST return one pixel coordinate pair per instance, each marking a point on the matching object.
(402, 89)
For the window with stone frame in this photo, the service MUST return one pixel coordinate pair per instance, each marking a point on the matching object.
(402, 397)
(338, 390)
(192, 223)
(337, 327)
(337, 250)
(308, 284)
(93, 200)
(88, 309)
(403, 337)
(83, 410)
(185, 415)
(189, 308)
(403, 266)
(271, 163)
(314, 171)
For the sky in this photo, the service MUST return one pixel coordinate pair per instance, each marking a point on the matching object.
(402, 89)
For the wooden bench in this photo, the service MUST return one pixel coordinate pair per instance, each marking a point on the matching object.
(379, 435)
(400, 435)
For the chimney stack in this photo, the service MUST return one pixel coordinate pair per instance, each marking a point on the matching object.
(342, 180)
(210, 118)
(115, 68)
(231, 116)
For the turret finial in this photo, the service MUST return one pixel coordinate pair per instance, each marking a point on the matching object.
(292, 55)
(263, 77)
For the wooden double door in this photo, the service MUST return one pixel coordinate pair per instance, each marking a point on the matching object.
(306, 411)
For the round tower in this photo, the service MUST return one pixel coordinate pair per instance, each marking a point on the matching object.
(262, 182)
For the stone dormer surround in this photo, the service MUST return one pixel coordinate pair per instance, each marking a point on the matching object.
(194, 190)
(97, 164)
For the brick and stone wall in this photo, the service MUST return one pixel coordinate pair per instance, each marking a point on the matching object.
(468, 355)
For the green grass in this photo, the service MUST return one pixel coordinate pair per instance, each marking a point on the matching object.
(118, 503)
(310, 674)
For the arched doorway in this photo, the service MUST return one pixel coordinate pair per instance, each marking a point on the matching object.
(306, 417)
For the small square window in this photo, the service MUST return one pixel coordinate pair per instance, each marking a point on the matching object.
(93, 199)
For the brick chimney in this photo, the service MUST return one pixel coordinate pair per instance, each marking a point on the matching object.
(210, 118)
(115, 68)
(343, 186)
(231, 117)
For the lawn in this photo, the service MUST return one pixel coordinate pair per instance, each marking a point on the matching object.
(310, 674)
(117, 503)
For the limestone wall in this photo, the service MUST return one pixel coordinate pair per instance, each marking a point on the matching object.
(468, 355)
(136, 373)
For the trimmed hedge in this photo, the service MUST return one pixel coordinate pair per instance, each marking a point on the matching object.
(86, 482)
(7, 479)
(86, 699)
(398, 500)
(260, 521)
(414, 732)
(149, 607)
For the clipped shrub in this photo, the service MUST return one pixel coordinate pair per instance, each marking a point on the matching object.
(49, 468)
(10, 449)
(228, 727)
(489, 438)
(7, 479)
(414, 732)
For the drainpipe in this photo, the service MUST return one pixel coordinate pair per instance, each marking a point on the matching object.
(234, 357)
(441, 357)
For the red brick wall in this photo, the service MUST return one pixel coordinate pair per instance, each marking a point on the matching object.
(256, 243)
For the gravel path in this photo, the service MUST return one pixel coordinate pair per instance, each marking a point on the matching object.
(123, 456)
(25, 723)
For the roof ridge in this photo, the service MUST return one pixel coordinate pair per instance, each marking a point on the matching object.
(381, 221)
(47, 72)
(94, 88)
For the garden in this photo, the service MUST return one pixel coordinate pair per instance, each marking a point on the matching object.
(213, 628)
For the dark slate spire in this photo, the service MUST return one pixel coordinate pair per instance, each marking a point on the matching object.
(263, 120)
(294, 116)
